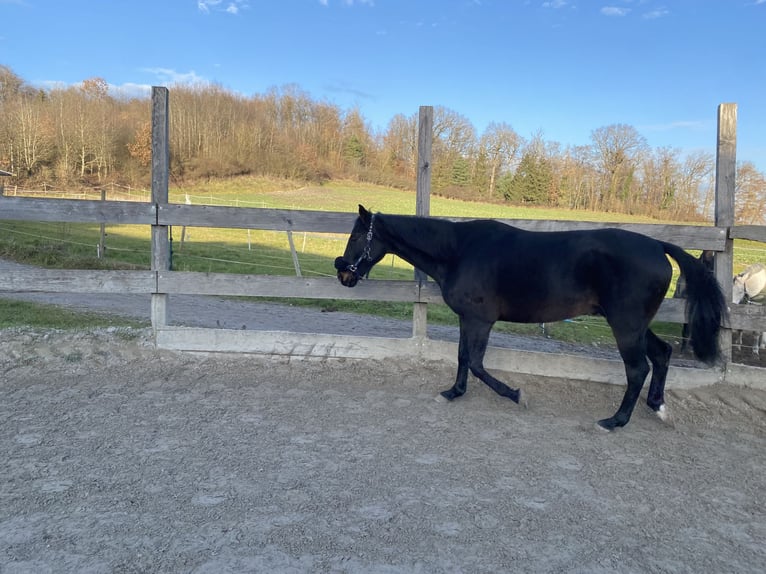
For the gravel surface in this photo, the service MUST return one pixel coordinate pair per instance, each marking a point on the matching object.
(121, 458)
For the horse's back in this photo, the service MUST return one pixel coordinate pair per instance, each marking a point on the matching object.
(548, 276)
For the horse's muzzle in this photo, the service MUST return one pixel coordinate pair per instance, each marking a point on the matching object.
(347, 274)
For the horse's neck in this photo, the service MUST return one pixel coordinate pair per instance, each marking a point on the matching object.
(423, 242)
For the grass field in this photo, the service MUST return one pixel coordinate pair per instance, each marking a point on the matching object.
(67, 245)
(53, 317)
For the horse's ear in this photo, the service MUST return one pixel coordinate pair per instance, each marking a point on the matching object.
(363, 213)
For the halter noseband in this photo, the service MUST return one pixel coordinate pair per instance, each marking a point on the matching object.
(367, 249)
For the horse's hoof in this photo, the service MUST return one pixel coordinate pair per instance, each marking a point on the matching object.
(664, 415)
(449, 394)
(606, 424)
(521, 399)
(440, 398)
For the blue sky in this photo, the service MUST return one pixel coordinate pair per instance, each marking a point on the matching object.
(560, 67)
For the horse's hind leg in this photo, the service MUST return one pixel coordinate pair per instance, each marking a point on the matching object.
(474, 336)
(659, 353)
(633, 352)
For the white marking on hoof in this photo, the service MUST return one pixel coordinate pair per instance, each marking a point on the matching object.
(602, 429)
(440, 399)
(523, 401)
(664, 413)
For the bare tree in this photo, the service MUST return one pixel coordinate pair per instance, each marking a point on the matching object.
(750, 195)
(696, 179)
(618, 149)
(454, 143)
(400, 146)
(500, 145)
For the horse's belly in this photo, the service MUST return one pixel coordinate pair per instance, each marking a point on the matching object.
(548, 311)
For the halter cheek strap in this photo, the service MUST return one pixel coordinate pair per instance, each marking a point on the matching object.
(366, 254)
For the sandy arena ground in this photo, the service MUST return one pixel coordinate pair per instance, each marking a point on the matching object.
(120, 458)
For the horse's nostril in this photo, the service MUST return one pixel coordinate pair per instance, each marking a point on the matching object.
(347, 278)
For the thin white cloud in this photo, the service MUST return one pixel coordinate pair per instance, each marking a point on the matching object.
(206, 5)
(130, 90)
(231, 7)
(614, 11)
(351, 2)
(343, 87)
(169, 76)
(658, 13)
(555, 4)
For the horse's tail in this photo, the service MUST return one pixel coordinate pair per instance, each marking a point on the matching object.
(705, 304)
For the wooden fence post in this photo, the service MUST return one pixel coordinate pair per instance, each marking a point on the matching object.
(102, 229)
(725, 173)
(160, 179)
(423, 206)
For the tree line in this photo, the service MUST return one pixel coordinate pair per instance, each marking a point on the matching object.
(83, 135)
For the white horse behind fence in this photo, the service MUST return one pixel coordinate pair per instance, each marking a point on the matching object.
(750, 287)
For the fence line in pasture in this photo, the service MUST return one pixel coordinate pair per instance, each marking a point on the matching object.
(160, 216)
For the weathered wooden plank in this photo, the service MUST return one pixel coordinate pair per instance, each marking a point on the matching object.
(256, 218)
(77, 210)
(192, 283)
(750, 232)
(748, 317)
(77, 281)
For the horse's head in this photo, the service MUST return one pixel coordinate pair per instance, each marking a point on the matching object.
(363, 250)
(749, 284)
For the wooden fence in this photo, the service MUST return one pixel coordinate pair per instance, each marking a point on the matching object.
(161, 281)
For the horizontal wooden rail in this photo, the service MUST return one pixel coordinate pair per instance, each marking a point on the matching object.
(255, 218)
(78, 281)
(77, 210)
(750, 232)
(116, 212)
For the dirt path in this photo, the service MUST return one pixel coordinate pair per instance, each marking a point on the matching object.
(121, 458)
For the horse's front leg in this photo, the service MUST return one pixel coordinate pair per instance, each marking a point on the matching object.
(474, 336)
(461, 380)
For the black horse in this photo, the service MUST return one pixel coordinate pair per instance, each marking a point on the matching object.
(489, 272)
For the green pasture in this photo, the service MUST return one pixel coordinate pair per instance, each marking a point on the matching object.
(16, 313)
(65, 245)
